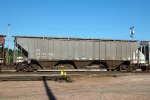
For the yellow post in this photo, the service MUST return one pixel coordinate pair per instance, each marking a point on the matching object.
(61, 73)
(65, 73)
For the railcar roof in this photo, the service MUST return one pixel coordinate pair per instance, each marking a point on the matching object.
(65, 38)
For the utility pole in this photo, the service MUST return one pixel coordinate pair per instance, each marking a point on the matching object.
(8, 44)
(131, 35)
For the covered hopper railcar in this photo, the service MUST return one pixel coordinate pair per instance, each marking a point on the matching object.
(48, 52)
(145, 50)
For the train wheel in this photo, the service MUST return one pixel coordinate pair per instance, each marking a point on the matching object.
(122, 67)
(29, 68)
(144, 68)
(112, 70)
(135, 68)
(21, 67)
(35, 67)
(18, 67)
(130, 68)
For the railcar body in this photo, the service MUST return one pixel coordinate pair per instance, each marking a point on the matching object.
(145, 49)
(2, 60)
(46, 52)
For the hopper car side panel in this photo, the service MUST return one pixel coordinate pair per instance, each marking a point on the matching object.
(90, 50)
(102, 49)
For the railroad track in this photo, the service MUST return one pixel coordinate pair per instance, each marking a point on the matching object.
(51, 75)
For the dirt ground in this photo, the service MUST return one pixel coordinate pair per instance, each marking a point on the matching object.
(126, 87)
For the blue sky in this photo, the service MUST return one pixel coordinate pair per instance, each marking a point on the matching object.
(107, 19)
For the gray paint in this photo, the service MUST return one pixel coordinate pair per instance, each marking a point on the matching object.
(43, 48)
(145, 48)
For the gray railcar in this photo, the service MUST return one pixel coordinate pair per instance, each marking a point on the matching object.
(48, 51)
(145, 49)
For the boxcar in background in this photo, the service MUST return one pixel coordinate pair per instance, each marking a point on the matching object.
(2, 59)
(47, 52)
(145, 49)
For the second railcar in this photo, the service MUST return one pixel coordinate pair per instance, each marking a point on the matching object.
(2, 58)
(145, 50)
(46, 52)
